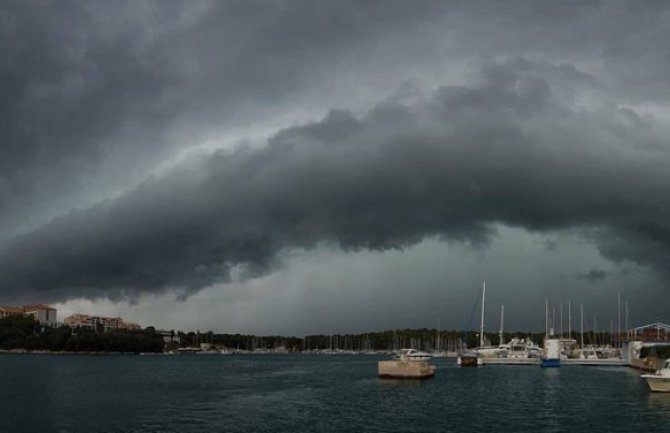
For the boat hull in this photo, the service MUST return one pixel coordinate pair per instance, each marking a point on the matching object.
(657, 383)
(469, 361)
(550, 363)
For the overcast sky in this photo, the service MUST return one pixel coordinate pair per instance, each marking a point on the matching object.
(298, 167)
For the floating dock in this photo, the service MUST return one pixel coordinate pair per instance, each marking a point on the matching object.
(511, 361)
(405, 369)
(612, 362)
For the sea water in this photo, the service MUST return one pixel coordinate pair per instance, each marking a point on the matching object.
(309, 393)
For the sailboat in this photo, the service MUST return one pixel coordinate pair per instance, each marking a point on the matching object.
(470, 358)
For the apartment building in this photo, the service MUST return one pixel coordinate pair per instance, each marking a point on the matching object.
(99, 323)
(44, 314)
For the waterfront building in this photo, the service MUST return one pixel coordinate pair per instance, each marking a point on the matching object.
(99, 323)
(129, 326)
(7, 311)
(169, 336)
(42, 313)
(653, 332)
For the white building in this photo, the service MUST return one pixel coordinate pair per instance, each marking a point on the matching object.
(44, 314)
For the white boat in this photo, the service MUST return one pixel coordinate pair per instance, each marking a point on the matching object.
(521, 348)
(412, 355)
(660, 380)
(588, 352)
(469, 359)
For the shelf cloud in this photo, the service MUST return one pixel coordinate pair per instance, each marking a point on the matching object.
(507, 150)
(154, 148)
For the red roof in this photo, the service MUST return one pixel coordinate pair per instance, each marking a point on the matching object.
(15, 310)
(38, 307)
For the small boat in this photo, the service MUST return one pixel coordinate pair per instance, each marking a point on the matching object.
(551, 357)
(519, 348)
(412, 355)
(660, 380)
(469, 359)
(588, 352)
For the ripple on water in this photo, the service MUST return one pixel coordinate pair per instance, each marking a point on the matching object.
(312, 393)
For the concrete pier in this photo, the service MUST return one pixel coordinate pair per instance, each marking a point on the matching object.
(405, 369)
(511, 361)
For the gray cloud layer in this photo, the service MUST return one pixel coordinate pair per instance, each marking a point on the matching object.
(511, 149)
(540, 121)
(96, 94)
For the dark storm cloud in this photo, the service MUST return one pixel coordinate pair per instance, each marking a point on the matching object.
(89, 85)
(594, 275)
(96, 93)
(509, 150)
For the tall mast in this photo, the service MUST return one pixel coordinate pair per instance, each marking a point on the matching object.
(581, 308)
(553, 321)
(569, 320)
(481, 326)
(627, 323)
(546, 319)
(618, 335)
(502, 319)
(561, 320)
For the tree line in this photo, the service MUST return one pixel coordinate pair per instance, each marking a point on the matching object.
(19, 332)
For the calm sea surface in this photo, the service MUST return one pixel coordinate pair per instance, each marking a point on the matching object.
(303, 393)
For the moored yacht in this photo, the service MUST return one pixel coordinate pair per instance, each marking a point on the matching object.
(412, 355)
(522, 348)
(469, 359)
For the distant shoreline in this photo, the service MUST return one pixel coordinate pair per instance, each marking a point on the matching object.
(62, 352)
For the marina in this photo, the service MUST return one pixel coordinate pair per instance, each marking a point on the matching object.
(301, 393)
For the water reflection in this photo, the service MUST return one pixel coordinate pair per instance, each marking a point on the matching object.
(659, 401)
(405, 383)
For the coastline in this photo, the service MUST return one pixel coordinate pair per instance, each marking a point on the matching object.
(63, 352)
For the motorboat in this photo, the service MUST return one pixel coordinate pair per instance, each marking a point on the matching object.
(588, 352)
(520, 348)
(412, 355)
(469, 359)
(492, 352)
(660, 380)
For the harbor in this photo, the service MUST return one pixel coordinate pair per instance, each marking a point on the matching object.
(289, 393)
